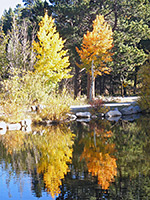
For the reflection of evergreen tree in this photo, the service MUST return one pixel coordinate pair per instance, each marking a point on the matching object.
(80, 187)
(80, 131)
(126, 188)
(133, 162)
(132, 152)
(131, 140)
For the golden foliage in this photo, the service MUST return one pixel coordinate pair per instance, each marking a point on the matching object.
(96, 47)
(19, 92)
(52, 60)
(101, 165)
(51, 149)
(13, 141)
(56, 150)
(96, 153)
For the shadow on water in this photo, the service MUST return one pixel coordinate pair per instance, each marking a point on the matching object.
(97, 160)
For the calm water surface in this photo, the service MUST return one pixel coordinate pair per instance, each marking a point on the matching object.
(91, 161)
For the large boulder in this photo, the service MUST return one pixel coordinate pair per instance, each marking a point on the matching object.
(14, 127)
(131, 110)
(71, 117)
(113, 113)
(83, 115)
(3, 128)
(86, 120)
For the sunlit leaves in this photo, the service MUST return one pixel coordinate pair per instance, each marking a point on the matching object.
(13, 141)
(20, 90)
(52, 59)
(96, 47)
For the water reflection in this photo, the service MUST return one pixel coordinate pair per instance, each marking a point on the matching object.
(95, 160)
(98, 153)
(44, 155)
(100, 148)
(132, 141)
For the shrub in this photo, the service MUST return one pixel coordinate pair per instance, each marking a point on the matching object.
(22, 90)
(144, 77)
(97, 107)
(56, 108)
(25, 87)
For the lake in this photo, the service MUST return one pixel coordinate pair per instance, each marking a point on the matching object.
(97, 160)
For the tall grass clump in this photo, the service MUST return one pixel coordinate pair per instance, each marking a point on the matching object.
(19, 92)
(56, 108)
(24, 89)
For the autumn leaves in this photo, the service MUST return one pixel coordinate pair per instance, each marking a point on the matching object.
(52, 59)
(95, 47)
(95, 52)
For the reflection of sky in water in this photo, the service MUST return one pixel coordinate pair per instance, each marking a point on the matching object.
(13, 190)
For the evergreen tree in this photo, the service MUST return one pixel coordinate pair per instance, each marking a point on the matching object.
(130, 22)
(73, 19)
(7, 20)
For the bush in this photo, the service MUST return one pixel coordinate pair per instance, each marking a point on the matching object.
(144, 77)
(97, 107)
(24, 89)
(56, 108)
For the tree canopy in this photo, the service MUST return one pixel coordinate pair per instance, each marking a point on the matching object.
(52, 60)
(130, 26)
(95, 49)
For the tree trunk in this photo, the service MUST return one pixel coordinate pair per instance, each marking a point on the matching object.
(122, 93)
(92, 87)
(111, 86)
(88, 85)
(103, 86)
(135, 80)
(77, 82)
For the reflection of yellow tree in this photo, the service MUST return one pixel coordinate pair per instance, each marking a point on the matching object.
(56, 150)
(51, 151)
(96, 153)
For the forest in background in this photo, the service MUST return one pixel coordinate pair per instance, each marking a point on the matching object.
(130, 22)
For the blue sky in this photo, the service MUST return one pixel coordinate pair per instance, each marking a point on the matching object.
(6, 4)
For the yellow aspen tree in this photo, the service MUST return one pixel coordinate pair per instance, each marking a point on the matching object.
(95, 50)
(52, 60)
